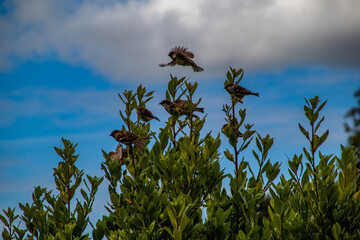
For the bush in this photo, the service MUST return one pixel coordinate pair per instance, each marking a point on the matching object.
(164, 191)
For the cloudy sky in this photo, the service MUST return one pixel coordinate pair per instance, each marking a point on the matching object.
(62, 64)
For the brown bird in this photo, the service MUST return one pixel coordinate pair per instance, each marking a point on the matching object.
(237, 91)
(234, 129)
(144, 114)
(181, 56)
(169, 106)
(119, 155)
(179, 106)
(183, 109)
(128, 138)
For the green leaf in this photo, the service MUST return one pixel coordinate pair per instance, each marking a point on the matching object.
(177, 234)
(307, 155)
(246, 145)
(6, 235)
(319, 123)
(172, 218)
(256, 156)
(321, 106)
(336, 230)
(304, 132)
(3, 219)
(85, 196)
(228, 155)
(323, 137)
(167, 96)
(258, 144)
(314, 102)
(305, 178)
(229, 77)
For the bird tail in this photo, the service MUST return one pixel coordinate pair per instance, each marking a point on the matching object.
(140, 143)
(199, 109)
(196, 68)
(162, 65)
(256, 94)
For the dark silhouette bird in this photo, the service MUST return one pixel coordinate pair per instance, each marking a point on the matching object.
(239, 92)
(234, 129)
(145, 114)
(120, 154)
(181, 56)
(128, 138)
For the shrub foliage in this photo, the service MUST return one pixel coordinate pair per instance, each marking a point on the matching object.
(174, 188)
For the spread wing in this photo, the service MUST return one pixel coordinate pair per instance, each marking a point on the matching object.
(183, 51)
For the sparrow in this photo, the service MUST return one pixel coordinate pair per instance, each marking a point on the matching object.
(178, 106)
(144, 114)
(234, 129)
(237, 91)
(169, 106)
(119, 154)
(182, 107)
(181, 56)
(128, 138)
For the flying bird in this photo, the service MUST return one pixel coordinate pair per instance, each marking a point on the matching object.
(237, 91)
(234, 129)
(145, 114)
(181, 56)
(128, 138)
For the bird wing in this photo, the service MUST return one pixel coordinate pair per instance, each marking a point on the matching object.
(186, 56)
(241, 90)
(183, 51)
(119, 149)
(127, 137)
(172, 63)
(179, 48)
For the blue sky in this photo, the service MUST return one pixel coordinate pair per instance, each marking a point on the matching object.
(63, 63)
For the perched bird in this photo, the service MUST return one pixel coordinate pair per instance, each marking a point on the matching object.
(183, 109)
(239, 92)
(119, 155)
(128, 138)
(234, 129)
(169, 106)
(179, 106)
(181, 56)
(144, 114)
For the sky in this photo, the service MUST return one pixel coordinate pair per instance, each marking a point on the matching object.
(62, 64)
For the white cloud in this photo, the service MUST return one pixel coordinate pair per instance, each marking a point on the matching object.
(121, 40)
